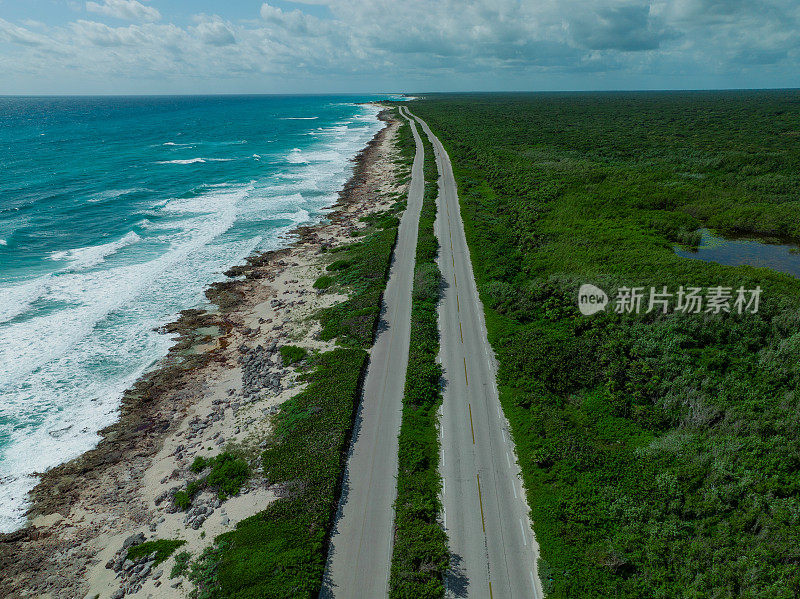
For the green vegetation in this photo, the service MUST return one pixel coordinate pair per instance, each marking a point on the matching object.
(363, 269)
(291, 354)
(658, 451)
(338, 265)
(163, 549)
(181, 565)
(323, 282)
(281, 551)
(182, 500)
(420, 557)
(227, 476)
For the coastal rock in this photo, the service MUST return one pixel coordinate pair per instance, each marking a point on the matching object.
(132, 540)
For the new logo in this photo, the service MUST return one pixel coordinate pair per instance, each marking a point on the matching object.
(591, 299)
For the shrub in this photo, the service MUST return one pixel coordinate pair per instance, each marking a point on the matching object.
(194, 487)
(181, 565)
(163, 548)
(338, 265)
(228, 474)
(198, 465)
(305, 457)
(658, 452)
(182, 500)
(323, 282)
(292, 354)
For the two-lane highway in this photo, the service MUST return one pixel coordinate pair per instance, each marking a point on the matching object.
(485, 510)
(361, 542)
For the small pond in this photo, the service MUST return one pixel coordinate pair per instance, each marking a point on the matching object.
(734, 252)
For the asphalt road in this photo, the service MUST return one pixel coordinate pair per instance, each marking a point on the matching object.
(485, 510)
(361, 543)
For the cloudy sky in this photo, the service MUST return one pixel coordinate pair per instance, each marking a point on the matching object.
(247, 46)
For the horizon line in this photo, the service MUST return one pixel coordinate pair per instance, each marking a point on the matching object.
(419, 93)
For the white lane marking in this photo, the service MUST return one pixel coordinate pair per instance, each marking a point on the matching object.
(514, 488)
(503, 432)
(508, 459)
(522, 530)
(533, 584)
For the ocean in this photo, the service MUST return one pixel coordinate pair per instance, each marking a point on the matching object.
(116, 213)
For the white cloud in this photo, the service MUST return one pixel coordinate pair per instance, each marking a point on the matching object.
(19, 35)
(501, 43)
(214, 31)
(126, 10)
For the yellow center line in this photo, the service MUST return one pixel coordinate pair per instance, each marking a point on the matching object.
(461, 331)
(470, 423)
(458, 306)
(490, 590)
(480, 499)
(466, 380)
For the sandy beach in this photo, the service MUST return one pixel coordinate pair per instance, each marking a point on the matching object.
(215, 390)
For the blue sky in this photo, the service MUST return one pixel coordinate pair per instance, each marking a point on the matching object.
(336, 46)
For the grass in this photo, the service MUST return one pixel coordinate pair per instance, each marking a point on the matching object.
(658, 451)
(420, 557)
(163, 548)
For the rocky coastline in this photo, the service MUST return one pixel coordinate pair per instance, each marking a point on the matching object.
(216, 388)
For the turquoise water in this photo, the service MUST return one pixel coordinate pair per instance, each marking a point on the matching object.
(115, 213)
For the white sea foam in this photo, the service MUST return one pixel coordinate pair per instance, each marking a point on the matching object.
(3, 242)
(113, 193)
(17, 299)
(299, 118)
(88, 257)
(195, 160)
(187, 161)
(297, 156)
